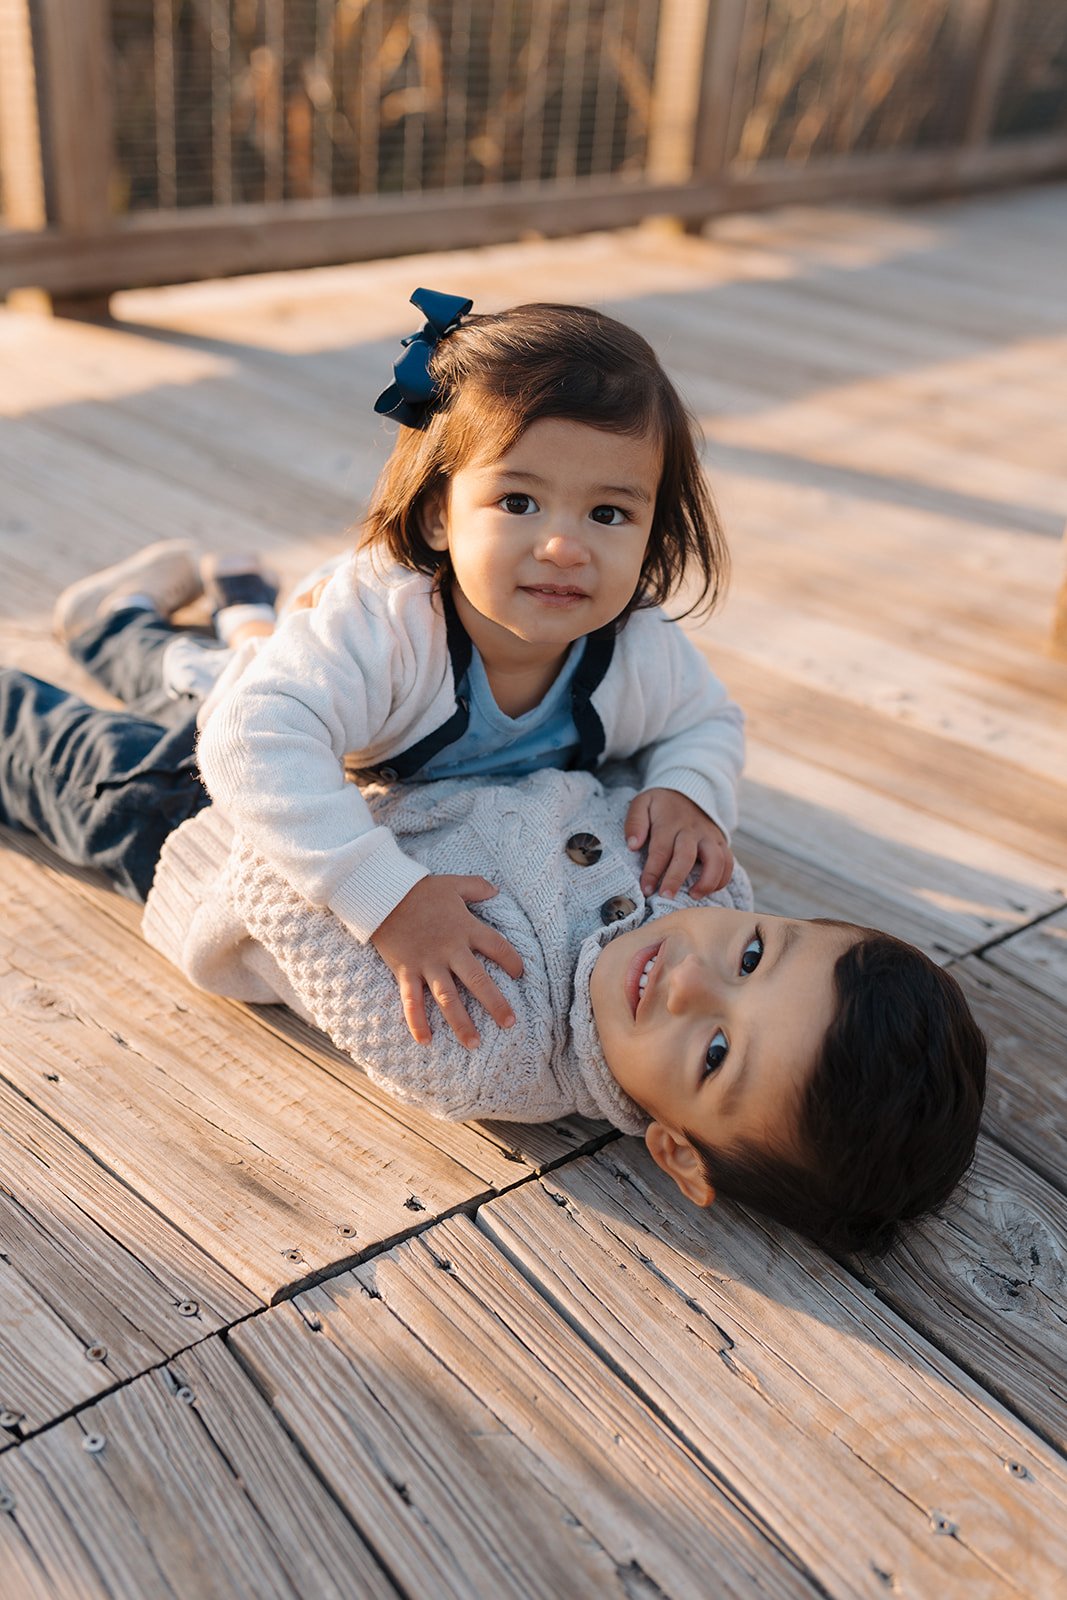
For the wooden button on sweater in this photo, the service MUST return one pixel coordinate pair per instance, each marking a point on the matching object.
(584, 848)
(617, 908)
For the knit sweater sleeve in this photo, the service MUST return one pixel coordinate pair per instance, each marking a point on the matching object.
(325, 685)
(678, 721)
(348, 991)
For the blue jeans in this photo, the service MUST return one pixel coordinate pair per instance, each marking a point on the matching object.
(102, 788)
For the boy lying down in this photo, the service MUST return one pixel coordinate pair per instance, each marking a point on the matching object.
(828, 1075)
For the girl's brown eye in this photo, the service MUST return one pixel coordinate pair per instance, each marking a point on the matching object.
(610, 516)
(517, 504)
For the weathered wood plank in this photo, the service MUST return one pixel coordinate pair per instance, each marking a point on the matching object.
(1037, 956)
(980, 790)
(97, 1285)
(274, 1166)
(182, 1484)
(905, 685)
(451, 1410)
(986, 1284)
(970, 888)
(984, 607)
(786, 885)
(1026, 1099)
(782, 1372)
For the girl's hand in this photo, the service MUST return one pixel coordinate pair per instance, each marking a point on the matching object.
(430, 940)
(679, 835)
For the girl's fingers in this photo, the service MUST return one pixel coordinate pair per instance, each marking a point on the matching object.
(727, 871)
(681, 864)
(481, 987)
(476, 888)
(716, 867)
(413, 1000)
(637, 820)
(655, 866)
(492, 944)
(451, 1007)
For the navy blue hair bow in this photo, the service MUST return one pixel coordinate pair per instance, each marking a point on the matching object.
(413, 388)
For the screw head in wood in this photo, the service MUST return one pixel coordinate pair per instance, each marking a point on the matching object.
(188, 1308)
(7, 1500)
(96, 1352)
(94, 1443)
(10, 1419)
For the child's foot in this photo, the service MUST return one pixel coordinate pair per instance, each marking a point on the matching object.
(242, 592)
(163, 577)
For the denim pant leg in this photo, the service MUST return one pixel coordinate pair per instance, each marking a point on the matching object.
(103, 788)
(124, 653)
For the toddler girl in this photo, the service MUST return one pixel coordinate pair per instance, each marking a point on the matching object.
(501, 615)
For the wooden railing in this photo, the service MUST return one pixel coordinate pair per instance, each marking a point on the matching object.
(149, 141)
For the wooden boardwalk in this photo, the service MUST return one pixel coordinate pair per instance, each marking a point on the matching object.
(263, 1331)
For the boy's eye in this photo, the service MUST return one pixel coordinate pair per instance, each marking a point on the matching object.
(752, 953)
(519, 505)
(718, 1050)
(611, 516)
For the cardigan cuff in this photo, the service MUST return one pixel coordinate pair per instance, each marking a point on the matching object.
(376, 887)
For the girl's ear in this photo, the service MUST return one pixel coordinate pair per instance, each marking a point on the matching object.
(681, 1161)
(432, 515)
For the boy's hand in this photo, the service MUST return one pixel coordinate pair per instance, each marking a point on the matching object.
(430, 939)
(679, 835)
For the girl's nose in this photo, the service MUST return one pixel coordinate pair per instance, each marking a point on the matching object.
(563, 550)
(691, 986)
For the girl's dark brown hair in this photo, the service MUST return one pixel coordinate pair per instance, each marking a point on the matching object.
(497, 374)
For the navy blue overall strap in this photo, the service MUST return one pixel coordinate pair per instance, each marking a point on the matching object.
(399, 768)
(596, 659)
(592, 669)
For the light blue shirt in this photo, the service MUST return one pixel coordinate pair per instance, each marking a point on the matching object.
(510, 747)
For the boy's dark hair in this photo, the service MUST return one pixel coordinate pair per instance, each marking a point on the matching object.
(889, 1117)
(501, 372)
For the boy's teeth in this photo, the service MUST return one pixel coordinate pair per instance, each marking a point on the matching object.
(643, 979)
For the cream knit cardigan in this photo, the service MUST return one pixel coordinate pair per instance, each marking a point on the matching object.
(235, 927)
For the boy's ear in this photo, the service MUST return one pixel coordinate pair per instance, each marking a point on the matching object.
(681, 1161)
(432, 514)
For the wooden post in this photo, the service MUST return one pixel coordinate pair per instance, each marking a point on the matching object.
(696, 66)
(74, 91)
(680, 42)
(989, 68)
(21, 167)
(721, 59)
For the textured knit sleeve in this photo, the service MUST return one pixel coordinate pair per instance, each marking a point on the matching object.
(691, 731)
(348, 991)
(271, 754)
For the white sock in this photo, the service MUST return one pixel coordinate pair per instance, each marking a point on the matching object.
(230, 618)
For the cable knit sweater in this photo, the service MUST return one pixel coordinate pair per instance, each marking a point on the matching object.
(227, 918)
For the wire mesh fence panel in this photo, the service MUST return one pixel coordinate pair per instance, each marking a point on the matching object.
(1033, 88)
(219, 102)
(841, 77)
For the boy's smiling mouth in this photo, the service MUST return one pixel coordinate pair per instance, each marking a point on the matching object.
(639, 975)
